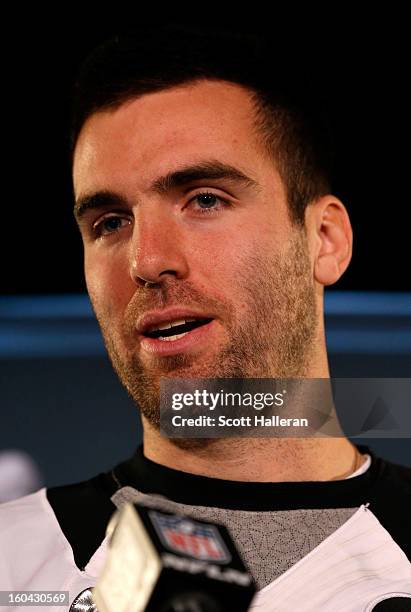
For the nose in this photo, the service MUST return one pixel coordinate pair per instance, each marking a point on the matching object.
(157, 248)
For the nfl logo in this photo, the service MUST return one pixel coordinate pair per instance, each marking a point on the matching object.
(190, 538)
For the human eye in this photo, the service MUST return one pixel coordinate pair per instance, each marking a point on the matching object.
(207, 202)
(110, 224)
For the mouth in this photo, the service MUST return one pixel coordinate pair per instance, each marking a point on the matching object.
(174, 330)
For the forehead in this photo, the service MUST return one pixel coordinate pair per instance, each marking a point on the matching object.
(157, 132)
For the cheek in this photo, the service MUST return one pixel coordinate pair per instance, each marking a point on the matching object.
(105, 279)
(214, 260)
(227, 264)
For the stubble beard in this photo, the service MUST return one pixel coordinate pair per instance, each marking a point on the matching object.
(276, 340)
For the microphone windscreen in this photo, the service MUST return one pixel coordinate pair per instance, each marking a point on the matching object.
(163, 562)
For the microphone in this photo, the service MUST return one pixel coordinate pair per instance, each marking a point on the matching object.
(163, 562)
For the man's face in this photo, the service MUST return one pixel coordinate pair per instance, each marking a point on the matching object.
(214, 236)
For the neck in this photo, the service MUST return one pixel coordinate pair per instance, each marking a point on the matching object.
(256, 460)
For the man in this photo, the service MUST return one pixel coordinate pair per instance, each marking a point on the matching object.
(204, 204)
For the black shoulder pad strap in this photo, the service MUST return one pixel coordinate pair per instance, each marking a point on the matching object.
(83, 511)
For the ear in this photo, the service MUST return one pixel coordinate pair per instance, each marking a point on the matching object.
(331, 237)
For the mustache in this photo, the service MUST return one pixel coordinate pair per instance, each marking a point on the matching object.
(170, 293)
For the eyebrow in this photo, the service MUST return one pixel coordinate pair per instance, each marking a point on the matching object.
(205, 170)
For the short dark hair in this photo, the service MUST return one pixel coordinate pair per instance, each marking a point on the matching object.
(289, 114)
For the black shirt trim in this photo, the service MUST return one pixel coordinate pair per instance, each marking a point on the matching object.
(185, 488)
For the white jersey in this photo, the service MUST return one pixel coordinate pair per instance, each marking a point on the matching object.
(354, 569)
(338, 546)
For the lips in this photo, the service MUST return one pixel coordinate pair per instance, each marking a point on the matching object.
(170, 322)
(175, 330)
